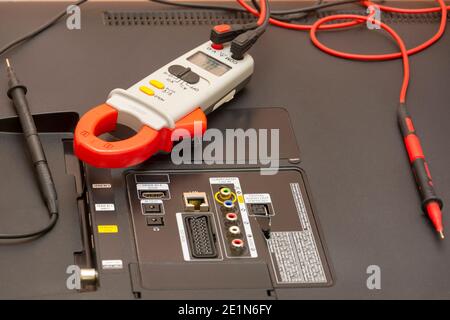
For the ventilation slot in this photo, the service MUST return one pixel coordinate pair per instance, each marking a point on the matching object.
(204, 17)
(174, 18)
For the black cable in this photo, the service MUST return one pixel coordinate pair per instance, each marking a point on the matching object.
(314, 7)
(199, 6)
(295, 14)
(265, 23)
(282, 17)
(37, 31)
(40, 232)
(276, 14)
(53, 212)
(303, 12)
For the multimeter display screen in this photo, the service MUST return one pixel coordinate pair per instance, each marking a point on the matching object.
(209, 63)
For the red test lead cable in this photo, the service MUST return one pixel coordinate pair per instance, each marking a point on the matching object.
(340, 25)
(431, 204)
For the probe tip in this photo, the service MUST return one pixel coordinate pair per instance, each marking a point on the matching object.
(441, 234)
(7, 63)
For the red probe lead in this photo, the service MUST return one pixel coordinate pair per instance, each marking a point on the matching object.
(430, 202)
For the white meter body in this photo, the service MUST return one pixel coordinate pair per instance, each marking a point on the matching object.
(178, 95)
(202, 78)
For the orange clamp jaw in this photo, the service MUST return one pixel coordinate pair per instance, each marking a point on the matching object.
(129, 152)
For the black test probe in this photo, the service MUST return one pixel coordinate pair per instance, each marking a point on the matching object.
(16, 93)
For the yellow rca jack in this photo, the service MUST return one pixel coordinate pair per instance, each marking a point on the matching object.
(225, 193)
(225, 196)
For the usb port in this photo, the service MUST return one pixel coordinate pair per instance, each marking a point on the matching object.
(152, 208)
(155, 221)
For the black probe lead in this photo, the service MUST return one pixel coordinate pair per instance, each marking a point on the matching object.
(45, 179)
(243, 42)
(274, 13)
(199, 6)
(16, 93)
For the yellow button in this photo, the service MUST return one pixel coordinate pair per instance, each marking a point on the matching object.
(146, 90)
(157, 84)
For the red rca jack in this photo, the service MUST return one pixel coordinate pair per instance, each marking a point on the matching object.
(237, 245)
(231, 217)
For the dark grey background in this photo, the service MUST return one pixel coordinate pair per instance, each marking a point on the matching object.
(343, 114)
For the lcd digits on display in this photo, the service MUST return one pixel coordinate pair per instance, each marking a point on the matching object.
(209, 64)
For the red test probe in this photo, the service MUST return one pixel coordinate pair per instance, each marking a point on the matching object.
(431, 203)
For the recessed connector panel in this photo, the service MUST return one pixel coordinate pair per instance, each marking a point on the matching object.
(152, 208)
(155, 221)
(195, 201)
(259, 209)
(259, 204)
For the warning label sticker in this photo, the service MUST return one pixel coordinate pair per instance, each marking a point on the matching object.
(257, 198)
(295, 256)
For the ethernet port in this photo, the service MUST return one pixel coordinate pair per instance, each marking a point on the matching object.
(195, 201)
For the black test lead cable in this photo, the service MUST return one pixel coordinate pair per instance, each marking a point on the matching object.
(37, 31)
(243, 42)
(244, 36)
(273, 13)
(16, 93)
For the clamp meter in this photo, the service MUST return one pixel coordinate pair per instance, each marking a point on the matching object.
(177, 96)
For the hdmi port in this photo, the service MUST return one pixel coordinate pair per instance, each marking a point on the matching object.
(160, 194)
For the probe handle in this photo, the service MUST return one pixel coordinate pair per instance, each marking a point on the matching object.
(417, 160)
(47, 186)
(125, 153)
